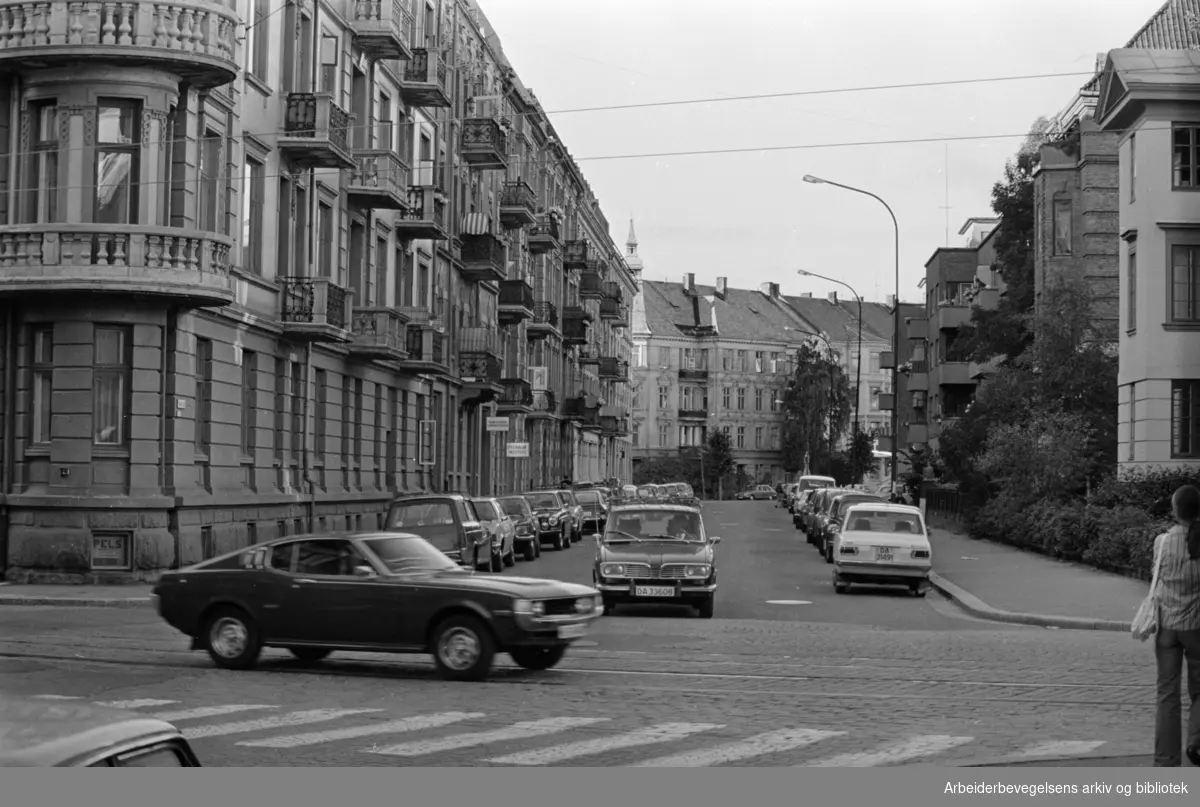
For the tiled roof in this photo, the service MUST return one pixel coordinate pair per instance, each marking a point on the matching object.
(667, 307)
(753, 316)
(1168, 29)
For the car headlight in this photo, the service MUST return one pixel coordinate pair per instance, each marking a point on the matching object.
(529, 607)
(702, 571)
(585, 605)
(612, 570)
(553, 520)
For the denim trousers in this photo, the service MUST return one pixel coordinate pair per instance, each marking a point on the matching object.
(1171, 649)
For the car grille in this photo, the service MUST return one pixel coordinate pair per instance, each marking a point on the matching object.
(561, 606)
(642, 572)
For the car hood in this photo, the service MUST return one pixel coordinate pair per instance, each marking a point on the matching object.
(656, 552)
(522, 587)
(548, 511)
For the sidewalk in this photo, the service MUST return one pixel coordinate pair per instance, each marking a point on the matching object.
(132, 596)
(999, 582)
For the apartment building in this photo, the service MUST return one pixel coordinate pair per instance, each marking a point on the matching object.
(1150, 99)
(276, 265)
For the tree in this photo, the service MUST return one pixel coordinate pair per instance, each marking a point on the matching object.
(718, 456)
(861, 454)
(1041, 458)
(816, 406)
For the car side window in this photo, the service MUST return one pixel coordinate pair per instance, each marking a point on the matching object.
(328, 557)
(281, 557)
(466, 511)
(163, 756)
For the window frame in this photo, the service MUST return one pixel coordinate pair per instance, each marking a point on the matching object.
(253, 236)
(249, 435)
(1192, 149)
(1131, 279)
(123, 372)
(133, 148)
(203, 374)
(1185, 393)
(41, 385)
(41, 182)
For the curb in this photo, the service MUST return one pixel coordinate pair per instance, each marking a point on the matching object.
(76, 602)
(977, 607)
(1057, 762)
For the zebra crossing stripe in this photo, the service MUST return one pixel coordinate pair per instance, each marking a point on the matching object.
(663, 733)
(134, 704)
(759, 745)
(58, 697)
(922, 745)
(372, 729)
(209, 711)
(279, 721)
(1061, 748)
(517, 731)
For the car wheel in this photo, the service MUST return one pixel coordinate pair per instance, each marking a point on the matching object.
(531, 550)
(463, 649)
(537, 547)
(610, 605)
(705, 609)
(559, 543)
(495, 563)
(231, 639)
(510, 559)
(309, 653)
(841, 588)
(917, 590)
(829, 551)
(537, 658)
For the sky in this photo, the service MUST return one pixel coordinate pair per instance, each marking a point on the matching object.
(748, 216)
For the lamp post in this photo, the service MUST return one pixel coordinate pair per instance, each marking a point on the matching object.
(858, 366)
(895, 314)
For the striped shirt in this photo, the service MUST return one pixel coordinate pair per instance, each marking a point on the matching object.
(1178, 592)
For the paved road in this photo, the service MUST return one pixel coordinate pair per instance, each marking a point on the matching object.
(862, 680)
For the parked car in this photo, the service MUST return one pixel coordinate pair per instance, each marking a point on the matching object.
(574, 512)
(553, 519)
(656, 553)
(756, 492)
(798, 505)
(446, 520)
(651, 493)
(502, 533)
(384, 592)
(61, 734)
(882, 544)
(833, 519)
(595, 510)
(525, 538)
(818, 509)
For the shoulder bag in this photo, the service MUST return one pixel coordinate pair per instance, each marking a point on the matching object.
(1145, 621)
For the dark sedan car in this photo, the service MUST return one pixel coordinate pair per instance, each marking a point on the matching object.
(371, 592)
(526, 540)
(656, 553)
(552, 518)
(595, 510)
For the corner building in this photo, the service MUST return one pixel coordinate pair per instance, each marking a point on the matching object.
(262, 268)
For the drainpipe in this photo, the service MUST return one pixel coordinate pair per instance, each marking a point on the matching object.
(10, 409)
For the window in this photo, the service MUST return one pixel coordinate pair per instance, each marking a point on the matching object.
(110, 386)
(328, 557)
(280, 406)
(1132, 442)
(283, 229)
(204, 380)
(1131, 299)
(1185, 418)
(249, 402)
(42, 182)
(1185, 140)
(726, 360)
(329, 65)
(385, 137)
(776, 397)
(258, 44)
(639, 355)
(377, 436)
(358, 419)
(325, 240)
(208, 547)
(725, 395)
(741, 398)
(876, 362)
(758, 399)
(664, 397)
(741, 436)
(1062, 226)
(663, 441)
(760, 361)
(42, 383)
(1133, 167)
(321, 415)
(118, 137)
(298, 396)
(210, 181)
(758, 436)
(1185, 283)
(637, 398)
(347, 402)
(253, 190)
(741, 361)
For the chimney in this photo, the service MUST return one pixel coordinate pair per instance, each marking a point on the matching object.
(833, 297)
(722, 285)
(891, 298)
(769, 289)
(807, 294)
(689, 283)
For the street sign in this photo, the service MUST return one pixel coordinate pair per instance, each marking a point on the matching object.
(497, 424)
(517, 450)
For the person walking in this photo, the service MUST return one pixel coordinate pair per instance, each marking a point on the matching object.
(1177, 561)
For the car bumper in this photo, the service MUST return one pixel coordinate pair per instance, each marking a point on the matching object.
(625, 591)
(526, 630)
(881, 573)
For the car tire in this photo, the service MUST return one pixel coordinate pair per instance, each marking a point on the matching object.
(231, 639)
(537, 547)
(463, 648)
(841, 588)
(531, 550)
(309, 654)
(510, 559)
(706, 607)
(609, 605)
(829, 551)
(495, 563)
(537, 658)
(917, 590)
(559, 543)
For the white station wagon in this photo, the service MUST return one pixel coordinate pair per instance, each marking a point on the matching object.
(883, 545)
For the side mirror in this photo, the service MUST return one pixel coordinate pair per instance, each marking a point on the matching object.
(715, 539)
(364, 571)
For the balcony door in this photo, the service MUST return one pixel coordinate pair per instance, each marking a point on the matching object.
(359, 277)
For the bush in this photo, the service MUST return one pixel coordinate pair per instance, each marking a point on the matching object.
(1144, 488)
(1124, 540)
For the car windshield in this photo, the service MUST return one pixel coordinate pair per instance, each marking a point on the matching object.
(564, 497)
(655, 525)
(420, 514)
(863, 520)
(402, 553)
(485, 510)
(515, 507)
(589, 497)
(544, 500)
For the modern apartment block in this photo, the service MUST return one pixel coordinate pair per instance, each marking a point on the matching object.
(268, 265)
(1150, 99)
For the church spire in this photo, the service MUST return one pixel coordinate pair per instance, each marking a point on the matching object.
(632, 260)
(632, 241)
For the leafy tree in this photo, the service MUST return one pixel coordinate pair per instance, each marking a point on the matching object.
(816, 406)
(861, 454)
(718, 456)
(1041, 458)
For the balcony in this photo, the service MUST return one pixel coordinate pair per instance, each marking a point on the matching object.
(918, 329)
(424, 216)
(693, 373)
(917, 433)
(195, 40)
(949, 317)
(515, 396)
(424, 81)
(543, 322)
(918, 377)
(381, 28)
(575, 325)
(887, 401)
(480, 362)
(590, 284)
(316, 132)
(613, 369)
(693, 414)
(544, 405)
(950, 373)
(919, 399)
(577, 409)
(977, 370)
(612, 291)
(188, 267)
(315, 309)
(575, 255)
(543, 235)
(378, 181)
(616, 314)
(518, 205)
(588, 356)
(426, 349)
(380, 333)
(887, 360)
(516, 301)
(484, 144)
(484, 258)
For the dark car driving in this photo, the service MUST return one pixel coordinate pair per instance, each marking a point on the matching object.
(525, 540)
(385, 592)
(595, 510)
(656, 553)
(552, 518)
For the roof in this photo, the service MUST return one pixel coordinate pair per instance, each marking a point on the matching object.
(676, 508)
(50, 733)
(1130, 69)
(888, 507)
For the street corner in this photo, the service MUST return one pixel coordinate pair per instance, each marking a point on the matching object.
(976, 607)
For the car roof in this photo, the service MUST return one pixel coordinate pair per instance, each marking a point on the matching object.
(853, 493)
(49, 733)
(817, 477)
(887, 507)
(664, 507)
(405, 498)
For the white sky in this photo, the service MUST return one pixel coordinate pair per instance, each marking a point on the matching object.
(748, 216)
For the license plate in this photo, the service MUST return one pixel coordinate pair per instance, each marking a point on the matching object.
(572, 631)
(654, 591)
(884, 554)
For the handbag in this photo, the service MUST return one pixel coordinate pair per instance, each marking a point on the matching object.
(1145, 621)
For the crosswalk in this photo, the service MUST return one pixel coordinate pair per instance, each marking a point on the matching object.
(574, 740)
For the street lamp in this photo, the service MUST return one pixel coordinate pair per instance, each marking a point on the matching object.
(809, 178)
(858, 366)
